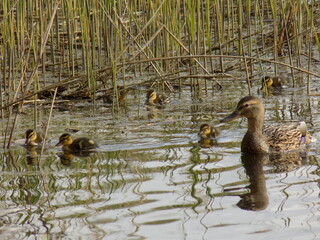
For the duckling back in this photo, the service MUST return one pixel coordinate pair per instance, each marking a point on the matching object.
(76, 145)
(83, 144)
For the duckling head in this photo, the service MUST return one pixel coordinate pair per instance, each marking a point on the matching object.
(31, 136)
(65, 139)
(266, 82)
(205, 131)
(151, 95)
(251, 108)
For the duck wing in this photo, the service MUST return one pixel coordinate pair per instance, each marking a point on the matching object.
(283, 137)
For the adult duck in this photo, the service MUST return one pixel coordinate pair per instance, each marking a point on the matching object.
(275, 137)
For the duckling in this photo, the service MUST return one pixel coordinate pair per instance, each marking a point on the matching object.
(207, 136)
(156, 99)
(207, 131)
(33, 138)
(77, 145)
(275, 137)
(274, 82)
(122, 93)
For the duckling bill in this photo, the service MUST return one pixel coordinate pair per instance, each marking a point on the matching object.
(275, 137)
(76, 145)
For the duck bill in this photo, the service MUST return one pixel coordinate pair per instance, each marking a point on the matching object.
(59, 143)
(27, 141)
(231, 117)
(201, 133)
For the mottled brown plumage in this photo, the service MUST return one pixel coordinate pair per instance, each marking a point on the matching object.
(287, 136)
(275, 137)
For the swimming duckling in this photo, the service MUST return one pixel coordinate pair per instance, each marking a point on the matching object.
(77, 145)
(275, 137)
(157, 99)
(122, 94)
(207, 131)
(33, 138)
(274, 82)
(207, 136)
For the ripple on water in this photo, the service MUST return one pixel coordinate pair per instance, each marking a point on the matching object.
(149, 179)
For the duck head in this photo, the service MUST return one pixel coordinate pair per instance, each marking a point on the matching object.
(251, 108)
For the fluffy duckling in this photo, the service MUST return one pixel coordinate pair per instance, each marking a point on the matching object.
(33, 138)
(273, 82)
(207, 136)
(76, 145)
(207, 131)
(275, 137)
(158, 99)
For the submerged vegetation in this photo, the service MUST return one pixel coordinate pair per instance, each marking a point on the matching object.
(75, 49)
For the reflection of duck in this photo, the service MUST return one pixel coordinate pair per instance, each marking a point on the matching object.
(33, 155)
(278, 137)
(257, 198)
(152, 112)
(274, 82)
(156, 99)
(33, 138)
(77, 145)
(66, 158)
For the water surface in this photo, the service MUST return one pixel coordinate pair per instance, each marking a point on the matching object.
(150, 179)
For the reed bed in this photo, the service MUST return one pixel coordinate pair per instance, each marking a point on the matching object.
(85, 48)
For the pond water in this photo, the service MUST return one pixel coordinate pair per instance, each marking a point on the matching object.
(150, 179)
